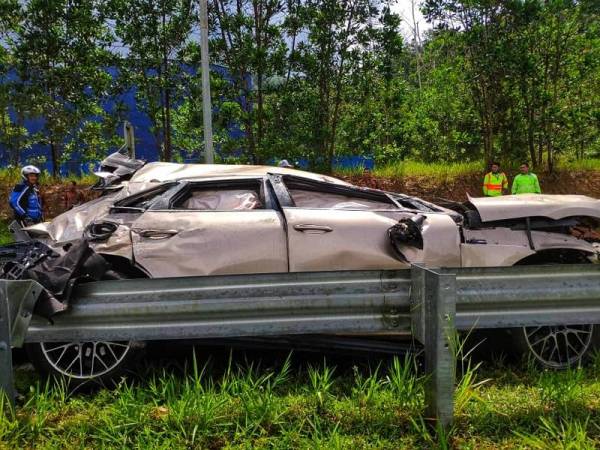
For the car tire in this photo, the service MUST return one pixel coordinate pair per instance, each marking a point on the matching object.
(86, 363)
(557, 347)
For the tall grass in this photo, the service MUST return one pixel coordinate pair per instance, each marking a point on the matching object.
(442, 171)
(10, 176)
(285, 405)
(587, 164)
(401, 169)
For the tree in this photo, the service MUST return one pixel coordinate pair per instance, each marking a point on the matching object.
(250, 43)
(155, 36)
(59, 56)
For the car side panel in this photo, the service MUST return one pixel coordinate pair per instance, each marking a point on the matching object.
(359, 240)
(210, 243)
(501, 247)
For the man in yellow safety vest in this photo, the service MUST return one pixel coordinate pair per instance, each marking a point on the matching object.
(494, 182)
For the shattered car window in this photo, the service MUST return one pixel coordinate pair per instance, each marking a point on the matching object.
(221, 200)
(144, 199)
(313, 199)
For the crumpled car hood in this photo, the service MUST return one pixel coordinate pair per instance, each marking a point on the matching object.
(535, 205)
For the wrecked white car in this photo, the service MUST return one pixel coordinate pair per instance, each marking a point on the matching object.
(175, 220)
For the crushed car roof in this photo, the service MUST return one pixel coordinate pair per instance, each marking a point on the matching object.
(161, 171)
(535, 205)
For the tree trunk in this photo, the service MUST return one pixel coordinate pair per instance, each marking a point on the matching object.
(167, 129)
(55, 158)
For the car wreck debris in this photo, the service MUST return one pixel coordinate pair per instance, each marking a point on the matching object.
(57, 273)
(407, 232)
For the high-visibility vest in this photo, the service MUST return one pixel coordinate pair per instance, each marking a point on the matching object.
(493, 183)
(526, 183)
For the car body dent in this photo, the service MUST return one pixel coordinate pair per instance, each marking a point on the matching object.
(358, 240)
(210, 243)
(495, 247)
(162, 171)
(118, 243)
(188, 242)
(492, 255)
(535, 205)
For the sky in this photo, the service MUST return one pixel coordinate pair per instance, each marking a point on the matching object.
(404, 9)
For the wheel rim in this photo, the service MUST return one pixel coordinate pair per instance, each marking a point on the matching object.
(559, 346)
(85, 360)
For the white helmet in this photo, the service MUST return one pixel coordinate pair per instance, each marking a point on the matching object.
(285, 163)
(28, 170)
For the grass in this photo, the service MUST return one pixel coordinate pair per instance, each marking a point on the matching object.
(436, 170)
(12, 175)
(588, 164)
(402, 169)
(441, 171)
(5, 235)
(300, 405)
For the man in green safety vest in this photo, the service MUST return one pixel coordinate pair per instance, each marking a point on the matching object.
(494, 182)
(526, 182)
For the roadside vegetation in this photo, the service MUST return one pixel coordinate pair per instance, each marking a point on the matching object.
(439, 171)
(304, 80)
(436, 171)
(287, 404)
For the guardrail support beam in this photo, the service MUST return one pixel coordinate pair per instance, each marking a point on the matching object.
(434, 309)
(7, 385)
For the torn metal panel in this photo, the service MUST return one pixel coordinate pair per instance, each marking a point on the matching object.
(115, 168)
(70, 225)
(184, 243)
(407, 233)
(535, 205)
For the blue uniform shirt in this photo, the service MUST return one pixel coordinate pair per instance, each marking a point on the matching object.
(25, 200)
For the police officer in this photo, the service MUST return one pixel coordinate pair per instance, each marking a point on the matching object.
(25, 199)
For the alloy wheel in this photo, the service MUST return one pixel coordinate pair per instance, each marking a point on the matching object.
(559, 346)
(85, 360)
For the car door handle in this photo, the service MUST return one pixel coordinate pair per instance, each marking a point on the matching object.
(157, 234)
(310, 228)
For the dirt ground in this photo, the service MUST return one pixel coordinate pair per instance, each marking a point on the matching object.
(580, 182)
(52, 197)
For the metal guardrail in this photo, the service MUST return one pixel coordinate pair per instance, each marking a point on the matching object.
(428, 303)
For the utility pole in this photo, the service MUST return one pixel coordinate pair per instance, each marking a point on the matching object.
(129, 135)
(206, 103)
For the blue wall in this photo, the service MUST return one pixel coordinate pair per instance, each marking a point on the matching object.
(146, 147)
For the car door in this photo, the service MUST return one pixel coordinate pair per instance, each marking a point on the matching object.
(210, 228)
(335, 227)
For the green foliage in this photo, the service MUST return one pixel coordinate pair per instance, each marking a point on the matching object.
(308, 79)
(58, 52)
(285, 405)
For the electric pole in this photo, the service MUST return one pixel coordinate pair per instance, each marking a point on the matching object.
(206, 103)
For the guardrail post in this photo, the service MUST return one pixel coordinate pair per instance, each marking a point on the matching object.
(6, 366)
(433, 300)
